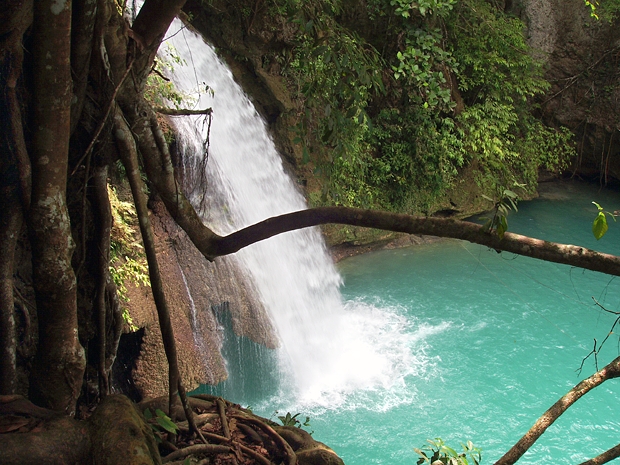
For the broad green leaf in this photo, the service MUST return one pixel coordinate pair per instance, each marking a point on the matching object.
(167, 424)
(599, 227)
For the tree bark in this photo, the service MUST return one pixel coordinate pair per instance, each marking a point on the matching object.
(129, 157)
(148, 31)
(160, 171)
(102, 202)
(612, 370)
(182, 112)
(441, 227)
(14, 184)
(58, 368)
(10, 226)
(605, 457)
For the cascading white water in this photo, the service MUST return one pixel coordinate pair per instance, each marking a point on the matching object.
(324, 348)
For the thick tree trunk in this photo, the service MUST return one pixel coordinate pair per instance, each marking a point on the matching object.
(58, 368)
(14, 185)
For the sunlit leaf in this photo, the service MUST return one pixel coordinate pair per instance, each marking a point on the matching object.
(599, 227)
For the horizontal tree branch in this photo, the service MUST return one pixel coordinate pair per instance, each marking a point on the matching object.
(182, 112)
(442, 227)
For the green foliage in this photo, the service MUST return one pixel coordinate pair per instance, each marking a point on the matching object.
(417, 157)
(606, 10)
(337, 74)
(406, 8)
(502, 207)
(423, 63)
(600, 226)
(160, 423)
(451, 88)
(497, 75)
(493, 57)
(436, 452)
(127, 258)
(433, 129)
(291, 420)
(540, 146)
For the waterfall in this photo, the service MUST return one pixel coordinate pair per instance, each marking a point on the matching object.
(322, 350)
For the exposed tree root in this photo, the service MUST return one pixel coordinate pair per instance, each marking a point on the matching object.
(30, 434)
(235, 435)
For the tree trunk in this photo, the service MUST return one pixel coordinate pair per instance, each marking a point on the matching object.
(129, 157)
(58, 368)
(10, 227)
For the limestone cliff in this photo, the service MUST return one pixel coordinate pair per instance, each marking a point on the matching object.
(583, 66)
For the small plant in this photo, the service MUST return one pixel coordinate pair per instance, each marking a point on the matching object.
(600, 226)
(499, 222)
(437, 453)
(161, 423)
(291, 420)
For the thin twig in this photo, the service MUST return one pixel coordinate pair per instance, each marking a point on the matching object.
(575, 78)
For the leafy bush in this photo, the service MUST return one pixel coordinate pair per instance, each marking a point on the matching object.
(127, 258)
(389, 117)
(437, 453)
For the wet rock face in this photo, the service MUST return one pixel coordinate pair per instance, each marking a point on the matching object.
(193, 287)
(582, 55)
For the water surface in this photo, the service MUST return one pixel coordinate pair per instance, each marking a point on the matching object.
(476, 345)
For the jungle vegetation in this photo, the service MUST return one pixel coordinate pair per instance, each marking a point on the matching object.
(394, 110)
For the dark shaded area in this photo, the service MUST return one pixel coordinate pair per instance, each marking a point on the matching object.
(129, 349)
